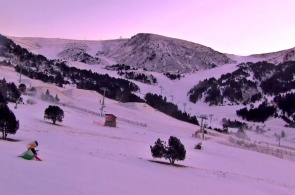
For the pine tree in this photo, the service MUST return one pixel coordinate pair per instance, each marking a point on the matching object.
(283, 134)
(22, 88)
(54, 113)
(2, 98)
(13, 92)
(158, 149)
(3, 89)
(8, 122)
(47, 95)
(56, 99)
(174, 151)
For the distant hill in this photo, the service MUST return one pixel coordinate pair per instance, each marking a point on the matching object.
(148, 51)
(152, 52)
(267, 85)
(164, 54)
(273, 57)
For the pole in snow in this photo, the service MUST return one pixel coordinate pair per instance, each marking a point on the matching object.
(210, 115)
(161, 89)
(102, 103)
(20, 74)
(203, 117)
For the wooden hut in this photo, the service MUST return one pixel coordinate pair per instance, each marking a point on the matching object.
(110, 120)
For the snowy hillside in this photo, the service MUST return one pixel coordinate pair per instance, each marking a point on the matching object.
(277, 57)
(81, 156)
(152, 52)
(164, 54)
(273, 57)
(175, 91)
(66, 49)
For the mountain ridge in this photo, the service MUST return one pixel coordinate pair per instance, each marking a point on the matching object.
(145, 50)
(233, 86)
(164, 54)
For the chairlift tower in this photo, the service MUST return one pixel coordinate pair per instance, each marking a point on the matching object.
(279, 140)
(102, 103)
(210, 115)
(203, 117)
(20, 74)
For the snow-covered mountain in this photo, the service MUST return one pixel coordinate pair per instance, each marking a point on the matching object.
(277, 57)
(152, 52)
(164, 54)
(272, 57)
(76, 50)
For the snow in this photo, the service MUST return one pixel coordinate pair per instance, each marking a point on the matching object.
(50, 48)
(134, 51)
(83, 157)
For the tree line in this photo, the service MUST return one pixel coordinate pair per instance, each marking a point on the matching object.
(59, 73)
(160, 103)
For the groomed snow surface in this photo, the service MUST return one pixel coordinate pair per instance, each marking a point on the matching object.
(81, 156)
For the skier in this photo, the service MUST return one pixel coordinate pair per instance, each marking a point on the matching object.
(31, 153)
(32, 147)
(199, 146)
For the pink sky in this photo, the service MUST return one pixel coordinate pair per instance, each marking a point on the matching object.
(233, 26)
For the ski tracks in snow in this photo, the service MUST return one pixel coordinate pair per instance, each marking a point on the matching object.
(238, 176)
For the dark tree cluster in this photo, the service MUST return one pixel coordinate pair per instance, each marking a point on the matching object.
(126, 71)
(48, 97)
(5, 63)
(8, 122)
(173, 151)
(120, 67)
(22, 88)
(274, 79)
(161, 104)
(86, 79)
(9, 91)
(86, 58)
(47, 75)
(196, 93)
(233, 87)
(287, 104)
(148, 79)
(172, 76)
(82, 57)
(213, 96)
(50, 71)
(261, 70)
(54, 113)
(282, 79)
(233, 124)
(236, 89)
(239, 88)
(260, 114)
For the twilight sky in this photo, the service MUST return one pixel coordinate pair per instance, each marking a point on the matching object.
(232, 26)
